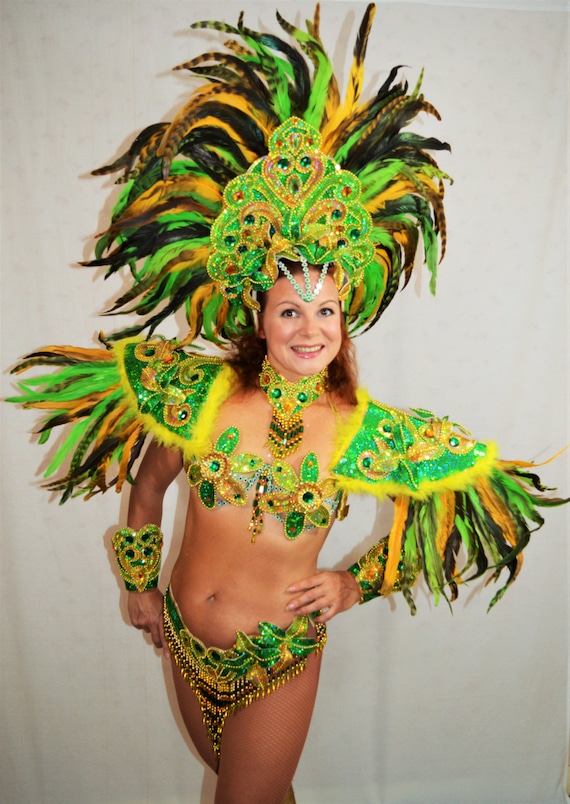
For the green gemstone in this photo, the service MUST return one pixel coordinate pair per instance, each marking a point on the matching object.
(283, 163)
(230, 240)
(275, 393)
(308, 497)
(294, 524)
(207, 494)
(249, 219)
(214, 466)
(354, 234)
(453, 441)
(337, 214)
(306, 161)
(302, 396)
(387, 428)
(367, 463)
(294, 185)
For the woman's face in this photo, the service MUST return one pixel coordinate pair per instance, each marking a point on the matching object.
(302, 337)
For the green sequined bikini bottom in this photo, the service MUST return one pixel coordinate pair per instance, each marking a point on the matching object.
(228, 679)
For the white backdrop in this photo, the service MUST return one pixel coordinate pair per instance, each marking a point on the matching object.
(439, 708)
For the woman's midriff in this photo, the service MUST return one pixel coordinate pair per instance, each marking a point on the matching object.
(223, 582)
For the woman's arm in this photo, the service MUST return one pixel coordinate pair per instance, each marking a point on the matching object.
(158, 469)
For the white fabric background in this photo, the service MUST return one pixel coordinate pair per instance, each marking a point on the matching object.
(437, 708)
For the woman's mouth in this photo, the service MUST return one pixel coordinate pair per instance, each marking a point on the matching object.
(307, 351)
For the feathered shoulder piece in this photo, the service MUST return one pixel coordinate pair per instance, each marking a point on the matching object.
(175, 175)
(111, 399)
(452, 496)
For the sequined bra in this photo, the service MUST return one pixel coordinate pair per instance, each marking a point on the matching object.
(301, 502)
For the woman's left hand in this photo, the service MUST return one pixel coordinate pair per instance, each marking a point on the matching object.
(329, 591)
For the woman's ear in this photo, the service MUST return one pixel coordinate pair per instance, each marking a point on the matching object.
(259, 331)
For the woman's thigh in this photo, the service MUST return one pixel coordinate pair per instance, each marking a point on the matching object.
(262, 743)
(192, 716)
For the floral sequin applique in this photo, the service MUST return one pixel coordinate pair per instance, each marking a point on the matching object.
(220, 474)
(301, 502)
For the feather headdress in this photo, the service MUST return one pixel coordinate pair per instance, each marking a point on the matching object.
(175, 175)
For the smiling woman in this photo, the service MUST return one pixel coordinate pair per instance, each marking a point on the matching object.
(302, 336)
(281, 218)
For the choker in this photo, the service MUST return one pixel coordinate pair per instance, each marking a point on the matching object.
(288, 401)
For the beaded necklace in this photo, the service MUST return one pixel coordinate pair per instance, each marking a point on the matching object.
(288, 401)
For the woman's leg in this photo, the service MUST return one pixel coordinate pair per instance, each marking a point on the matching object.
(192, 717)
(262, 743)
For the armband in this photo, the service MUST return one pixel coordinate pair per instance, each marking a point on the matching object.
(138, 555)
(369, 570)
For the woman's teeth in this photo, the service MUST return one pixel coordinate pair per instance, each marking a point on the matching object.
(305, 350)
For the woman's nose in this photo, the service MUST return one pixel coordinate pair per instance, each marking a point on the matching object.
(309, 325)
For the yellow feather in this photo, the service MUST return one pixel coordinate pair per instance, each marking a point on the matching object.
(446, 518)
(401, 505)
(497, 509)
(356, 75)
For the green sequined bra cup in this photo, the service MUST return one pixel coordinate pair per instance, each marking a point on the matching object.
(301, 502)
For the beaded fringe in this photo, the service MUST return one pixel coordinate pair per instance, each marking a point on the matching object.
(219, 699)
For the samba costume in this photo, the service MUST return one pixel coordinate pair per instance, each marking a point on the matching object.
(227, 680)
(266, 163)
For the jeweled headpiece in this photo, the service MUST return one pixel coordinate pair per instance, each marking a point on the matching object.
(296, 202)
(266, 160)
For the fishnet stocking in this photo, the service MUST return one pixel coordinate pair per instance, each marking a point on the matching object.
(261, 744)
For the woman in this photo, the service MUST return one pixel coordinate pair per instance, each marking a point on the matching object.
(275, 579)
(260, 172)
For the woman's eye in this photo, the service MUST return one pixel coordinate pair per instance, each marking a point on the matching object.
(326, 311)
(288, 313)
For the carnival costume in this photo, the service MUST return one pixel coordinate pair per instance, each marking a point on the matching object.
(266, 163)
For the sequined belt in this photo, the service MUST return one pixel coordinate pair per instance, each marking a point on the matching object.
(227, 679)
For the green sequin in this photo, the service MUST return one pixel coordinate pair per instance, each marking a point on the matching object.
(392, 446)
(215, 473)
(170, 385)
(301, 502)
(299, 191)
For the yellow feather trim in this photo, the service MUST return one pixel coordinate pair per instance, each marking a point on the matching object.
(222, 388)
(348, 429)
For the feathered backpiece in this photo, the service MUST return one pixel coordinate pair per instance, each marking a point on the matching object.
(176, 173)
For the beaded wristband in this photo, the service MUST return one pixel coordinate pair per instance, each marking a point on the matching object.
(138, 555)
(369, 570)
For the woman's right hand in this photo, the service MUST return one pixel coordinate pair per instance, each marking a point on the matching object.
(145, 612)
